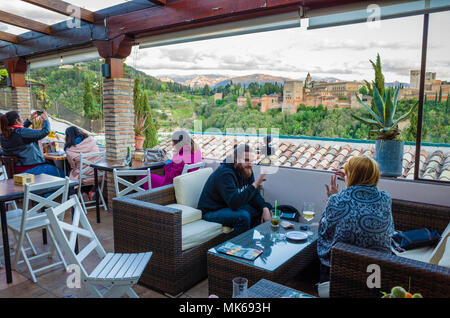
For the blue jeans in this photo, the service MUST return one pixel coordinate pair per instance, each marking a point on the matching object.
(47, 169)
(240, 220)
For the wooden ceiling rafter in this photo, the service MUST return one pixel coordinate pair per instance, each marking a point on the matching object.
(64, 8)
(159, 2)
(8, 37)
(24, 23)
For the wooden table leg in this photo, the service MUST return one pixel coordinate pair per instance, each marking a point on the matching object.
(6, 243)
(97, 199)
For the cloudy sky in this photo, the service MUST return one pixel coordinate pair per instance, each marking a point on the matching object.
(342, 52)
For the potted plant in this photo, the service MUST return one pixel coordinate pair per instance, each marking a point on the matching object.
(388, 150)
(140, 125)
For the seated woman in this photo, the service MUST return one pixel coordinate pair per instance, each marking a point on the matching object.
(77, 143)
(185, 151)
(359, 215)
(22, 142)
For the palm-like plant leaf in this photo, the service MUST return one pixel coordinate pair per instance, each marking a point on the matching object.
(388, 107)
(367, 120)
(404, 116)
(379, 105)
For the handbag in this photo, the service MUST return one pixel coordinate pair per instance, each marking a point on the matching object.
(416, 238)
(154, 155)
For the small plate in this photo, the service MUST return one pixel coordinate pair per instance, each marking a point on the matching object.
(297, 235)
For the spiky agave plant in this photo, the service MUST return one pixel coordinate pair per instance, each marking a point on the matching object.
(382, 116)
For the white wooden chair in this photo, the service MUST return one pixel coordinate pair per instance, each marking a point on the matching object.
(13, 211)
(187, 167)
(129, 186)
(117, 271)
(86, 159)
(33, 220)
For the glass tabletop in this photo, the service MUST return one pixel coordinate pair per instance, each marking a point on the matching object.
(277, 249)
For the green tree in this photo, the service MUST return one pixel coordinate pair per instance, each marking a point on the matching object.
(140, 99)
(91, 110)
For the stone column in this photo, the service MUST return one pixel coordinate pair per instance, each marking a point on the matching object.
(21, 101)
(118, 106)
(118, 110)
(20, 93)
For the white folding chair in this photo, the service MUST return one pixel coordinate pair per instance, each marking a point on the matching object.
(13, 211)
(33, 220)
(117, 271)
(128, 186)
(86, 171)
(187, 167)
(4, 176)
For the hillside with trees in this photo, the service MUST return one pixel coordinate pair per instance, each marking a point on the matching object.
(173, 105)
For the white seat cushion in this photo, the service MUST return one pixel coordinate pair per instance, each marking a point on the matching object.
(199, 232)
(428, 254)
(188, 187)
(445, 259)
(439, 249)
(422, 254)
(188, 214)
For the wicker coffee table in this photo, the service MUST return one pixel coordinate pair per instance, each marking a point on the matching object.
(280, 261)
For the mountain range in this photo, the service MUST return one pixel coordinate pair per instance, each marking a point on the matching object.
(215, 80)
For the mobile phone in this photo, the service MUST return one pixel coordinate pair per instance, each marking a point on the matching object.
(39, 112)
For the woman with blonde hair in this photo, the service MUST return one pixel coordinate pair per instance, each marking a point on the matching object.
(359, 215)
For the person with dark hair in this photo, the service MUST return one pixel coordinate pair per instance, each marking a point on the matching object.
(185, 151)
(22, 142)
(77, 142)
(231, 196)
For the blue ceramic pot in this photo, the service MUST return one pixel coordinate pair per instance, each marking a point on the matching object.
(389, 156)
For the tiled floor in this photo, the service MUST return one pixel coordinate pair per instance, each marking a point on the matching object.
(53, 282)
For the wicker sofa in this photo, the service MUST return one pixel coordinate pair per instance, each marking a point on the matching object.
(349, 264)
(143, 222)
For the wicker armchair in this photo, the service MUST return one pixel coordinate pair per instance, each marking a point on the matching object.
(143, 223)
(349, 263)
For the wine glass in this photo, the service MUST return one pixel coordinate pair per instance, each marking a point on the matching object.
(309, 211)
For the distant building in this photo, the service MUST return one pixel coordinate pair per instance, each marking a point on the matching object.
(218, 96)
(414, 79)
(344, 89)
(241, 101)
(269, 102)
(308, 81)
(292, 95)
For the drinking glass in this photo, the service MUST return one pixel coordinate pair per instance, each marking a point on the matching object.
(309, 211)
(240, 287)
(275, 221)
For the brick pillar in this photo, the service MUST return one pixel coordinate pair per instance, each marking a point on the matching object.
(118, 111)
(21, 101)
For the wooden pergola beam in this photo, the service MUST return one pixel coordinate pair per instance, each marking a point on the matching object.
(8, 37)
(190, 14)
(64, 8)
(24, 23)
(158, 2)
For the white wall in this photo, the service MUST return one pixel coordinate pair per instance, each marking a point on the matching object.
(294, 186)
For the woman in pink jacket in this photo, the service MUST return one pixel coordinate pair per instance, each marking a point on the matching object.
(185, 151)
(77, 143)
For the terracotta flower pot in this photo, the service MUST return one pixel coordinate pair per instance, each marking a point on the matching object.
(139, 142)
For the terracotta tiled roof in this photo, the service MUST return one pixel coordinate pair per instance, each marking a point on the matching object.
(321, 154)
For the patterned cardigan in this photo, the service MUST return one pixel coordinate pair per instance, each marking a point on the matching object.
(359, 215)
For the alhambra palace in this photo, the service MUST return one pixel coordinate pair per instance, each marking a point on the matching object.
(337, 95)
